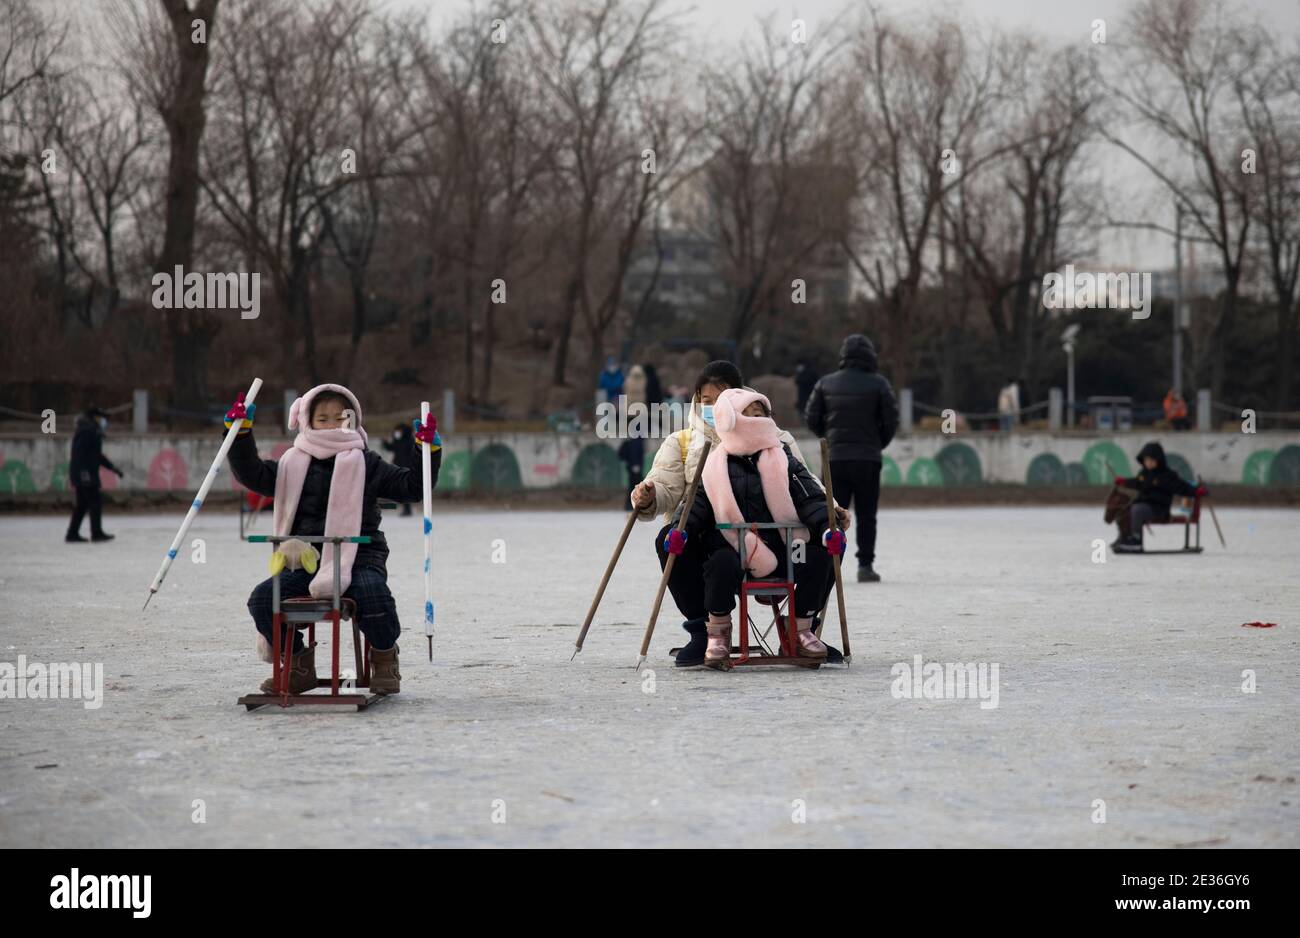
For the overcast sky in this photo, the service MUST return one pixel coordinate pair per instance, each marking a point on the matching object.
(1062, 20)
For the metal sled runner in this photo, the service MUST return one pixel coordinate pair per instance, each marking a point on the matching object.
(307, 611)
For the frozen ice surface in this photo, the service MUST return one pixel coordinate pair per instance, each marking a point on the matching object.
(1118, 683)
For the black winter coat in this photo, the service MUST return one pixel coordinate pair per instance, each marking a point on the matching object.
(1157, 487)
(405, 451)
(854, 408)
(383, 480)
(809, 502)
(87, 454)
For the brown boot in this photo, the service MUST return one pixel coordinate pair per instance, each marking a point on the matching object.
(302, 674)
(385, 678)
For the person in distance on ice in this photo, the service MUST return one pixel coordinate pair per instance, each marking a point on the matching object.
(1156, 486)
(83, 474)
(752, 477)
(330, 483)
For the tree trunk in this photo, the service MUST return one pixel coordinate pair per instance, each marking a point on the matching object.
(1222, 334)
(191, 331)
(1285, 358)
(489, 341)
(566, 333)
(358, 323)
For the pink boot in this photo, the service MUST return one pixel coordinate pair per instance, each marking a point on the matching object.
(718, 653)
(810, 646)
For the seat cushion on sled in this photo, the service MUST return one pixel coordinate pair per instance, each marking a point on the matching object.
(309, 605)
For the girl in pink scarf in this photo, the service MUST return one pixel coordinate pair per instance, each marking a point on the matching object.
(330, 483)
(751, 477)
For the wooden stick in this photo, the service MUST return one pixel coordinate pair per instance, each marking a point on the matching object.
(833, 525)
(687, 504)
(1213, 517)
(604, 581)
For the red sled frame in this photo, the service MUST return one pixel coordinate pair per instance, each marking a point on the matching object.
(306, 610)
(1188, 522)
(779, 594)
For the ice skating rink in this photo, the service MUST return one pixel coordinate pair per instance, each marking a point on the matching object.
(1119, 696)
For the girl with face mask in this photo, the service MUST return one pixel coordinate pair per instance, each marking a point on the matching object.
(664, 487)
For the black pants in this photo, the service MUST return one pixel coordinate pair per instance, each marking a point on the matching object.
(723, 574)
(687, 580)
(89, 500)
(857, 484)
(376, 610)
(633, 480)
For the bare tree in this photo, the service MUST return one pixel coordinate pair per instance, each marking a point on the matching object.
(922, 128)
(164, 53)
(1007, 222)
(598, 61)
(1269, 97)
(29, 44)
(278, 156)
(1177, 81)
(773, 178)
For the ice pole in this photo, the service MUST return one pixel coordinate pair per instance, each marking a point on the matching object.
(249, 397)
(426, 458)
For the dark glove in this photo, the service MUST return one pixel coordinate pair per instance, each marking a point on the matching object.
(119, 472)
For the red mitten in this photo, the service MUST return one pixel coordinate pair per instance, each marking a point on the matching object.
(1202, 491)
(675, 542)
(428, 435)
(834, 542)
(238, 412)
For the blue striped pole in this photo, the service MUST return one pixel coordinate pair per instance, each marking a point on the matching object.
(202, 494)
(426, 462)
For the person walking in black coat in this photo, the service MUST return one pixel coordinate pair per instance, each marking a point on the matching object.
(83, 474)
(805, 379)
(855, 410)
(402, 446)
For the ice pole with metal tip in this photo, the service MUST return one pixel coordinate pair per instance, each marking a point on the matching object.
(426, 458)
(833, 525)
(687, 503)
(1213, 517)
(211, 477)
(604, 581)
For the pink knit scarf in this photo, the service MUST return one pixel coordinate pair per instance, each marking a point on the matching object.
(347, 485)
(742, 436)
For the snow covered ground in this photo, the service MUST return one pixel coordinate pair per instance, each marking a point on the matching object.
(1120, 690)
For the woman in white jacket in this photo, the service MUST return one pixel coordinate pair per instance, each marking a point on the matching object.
(664, 487)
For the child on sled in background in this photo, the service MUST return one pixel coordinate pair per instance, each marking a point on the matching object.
(329, 483)
(752, 477)
(1156, 486)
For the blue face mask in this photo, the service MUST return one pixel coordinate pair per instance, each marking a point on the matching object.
(706, 413)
